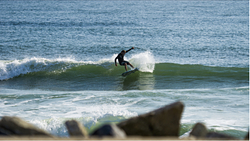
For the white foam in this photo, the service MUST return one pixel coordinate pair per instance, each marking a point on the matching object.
(144, 61)
(54, 125)
(17, 67)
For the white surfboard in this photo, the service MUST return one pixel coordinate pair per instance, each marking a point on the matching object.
(129, 72)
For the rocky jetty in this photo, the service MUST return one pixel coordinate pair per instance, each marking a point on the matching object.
(14, 126)
(110, 130)
(200, 131)
(162, 123)
(75, 129)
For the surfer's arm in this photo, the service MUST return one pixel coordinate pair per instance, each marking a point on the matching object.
(130, 49)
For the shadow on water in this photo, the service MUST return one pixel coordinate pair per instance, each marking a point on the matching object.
(139, 81)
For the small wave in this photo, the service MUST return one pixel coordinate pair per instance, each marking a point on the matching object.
(11, 69)
(104, 75)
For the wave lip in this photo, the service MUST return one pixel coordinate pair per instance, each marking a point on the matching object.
(18, 67)
(144, 61)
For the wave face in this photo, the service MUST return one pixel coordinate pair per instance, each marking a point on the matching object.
(9, 69)
(69, 74)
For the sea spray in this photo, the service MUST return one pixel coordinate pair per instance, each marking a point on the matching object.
(144, 61)
(53, 125)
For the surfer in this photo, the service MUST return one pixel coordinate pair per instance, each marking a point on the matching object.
(121, 60)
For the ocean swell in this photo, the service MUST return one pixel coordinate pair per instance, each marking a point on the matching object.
(10, 69)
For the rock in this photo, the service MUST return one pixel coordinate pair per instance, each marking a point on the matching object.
(247, 136)
(75, 129)
(161, 122)
(17, 126)
(199, 130)
(4, 132)
(214, 135)
(109, 130)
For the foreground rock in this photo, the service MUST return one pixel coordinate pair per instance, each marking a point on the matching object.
(247, 136)
(75, 129)
(16, 126)
(200, 131)
(110, 130)
(214, 135)
(161, 122)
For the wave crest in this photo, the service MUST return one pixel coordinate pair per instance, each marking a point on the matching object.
(144, 61)
(10, 69)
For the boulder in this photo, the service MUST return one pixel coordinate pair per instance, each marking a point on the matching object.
(17, 126)
(161, 122)
(75, 129)
(199, 130)
(4, 132)
(109, 130)
(214, 135)
(247, 136)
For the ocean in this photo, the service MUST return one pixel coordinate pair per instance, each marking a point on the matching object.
(57, 62)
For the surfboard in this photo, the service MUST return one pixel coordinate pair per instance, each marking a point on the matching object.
(129, 72)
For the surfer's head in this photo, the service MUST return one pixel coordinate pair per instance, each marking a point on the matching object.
(123, 51)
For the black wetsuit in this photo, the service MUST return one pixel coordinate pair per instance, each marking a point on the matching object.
(120, 58)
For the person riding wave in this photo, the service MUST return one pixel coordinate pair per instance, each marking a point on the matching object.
(121, 60)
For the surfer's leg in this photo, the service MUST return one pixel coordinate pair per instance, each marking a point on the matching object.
(125, 64)
(131, 65)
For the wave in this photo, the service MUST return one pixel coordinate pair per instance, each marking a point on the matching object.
(71, 68)
(70, 74)
(10, 69)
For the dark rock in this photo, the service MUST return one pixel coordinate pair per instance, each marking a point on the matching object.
(17, 126)
(109, 130)
(214, 135)
(247, 136)
(4, 132)
(161, 122)
(199, 130)
(76, 129)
